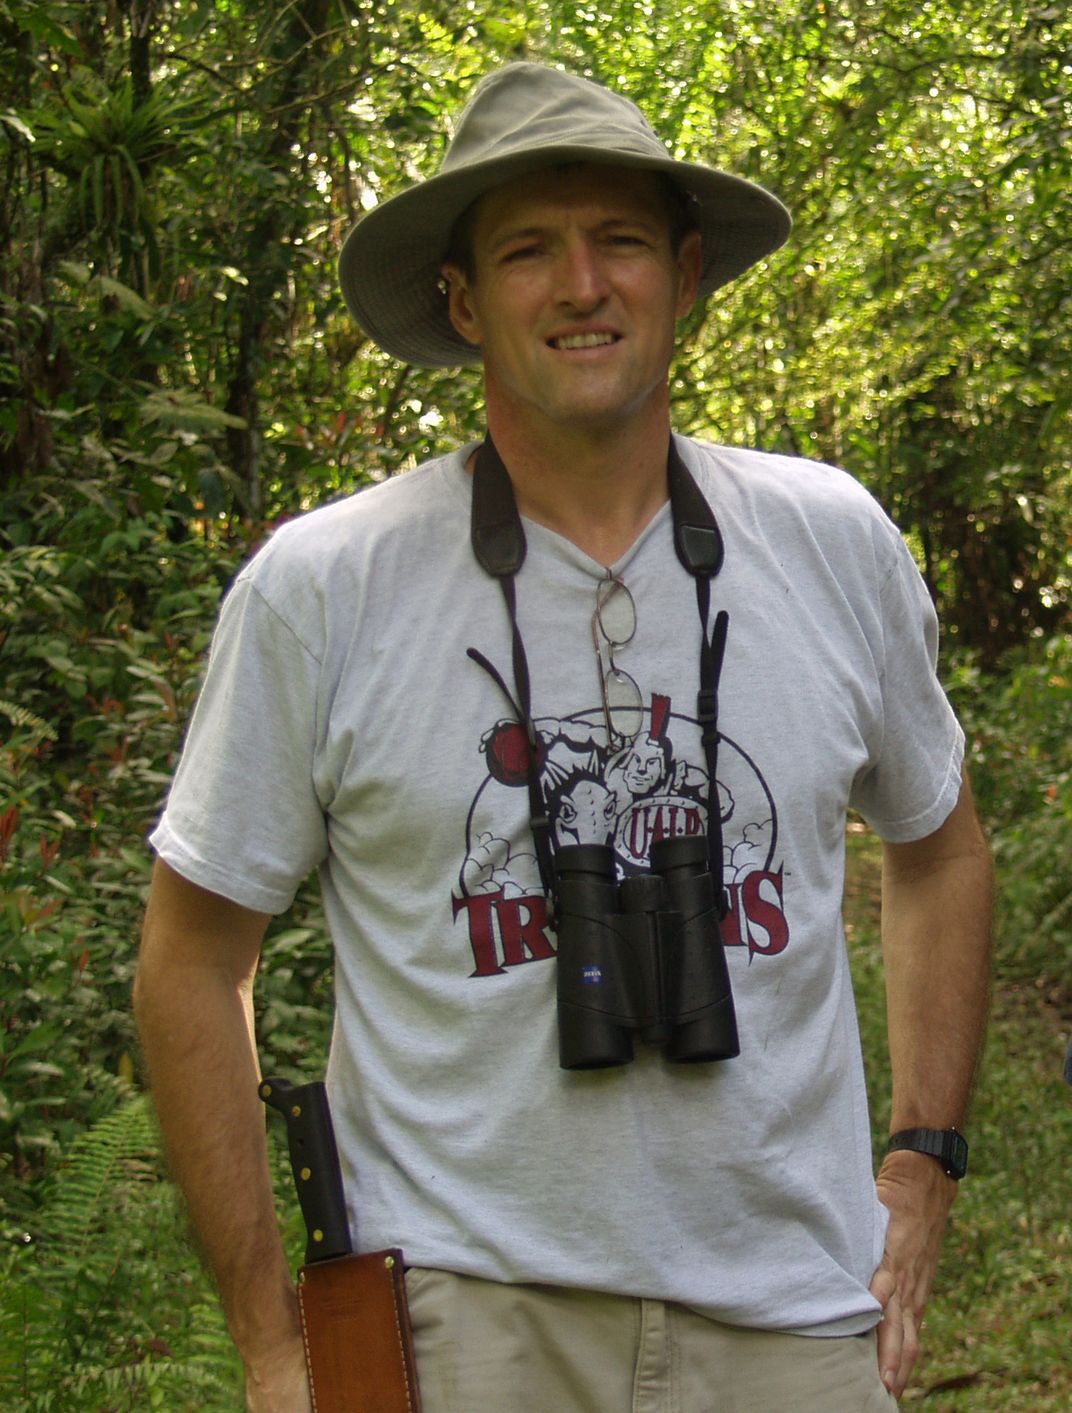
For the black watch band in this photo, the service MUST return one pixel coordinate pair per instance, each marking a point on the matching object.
(947, 1145)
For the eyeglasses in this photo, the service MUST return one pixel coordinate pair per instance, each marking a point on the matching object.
(614, 623)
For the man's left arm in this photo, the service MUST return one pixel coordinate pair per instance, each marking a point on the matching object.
(936, 902)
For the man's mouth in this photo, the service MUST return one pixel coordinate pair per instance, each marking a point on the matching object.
(593, 340)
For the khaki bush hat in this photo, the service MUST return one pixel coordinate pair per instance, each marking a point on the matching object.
(519, 119)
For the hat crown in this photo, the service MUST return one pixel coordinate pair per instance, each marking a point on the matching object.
(527, 107)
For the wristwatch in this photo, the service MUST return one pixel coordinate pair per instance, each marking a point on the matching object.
(946, 1144)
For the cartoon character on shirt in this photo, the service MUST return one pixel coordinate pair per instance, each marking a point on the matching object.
(628, 797)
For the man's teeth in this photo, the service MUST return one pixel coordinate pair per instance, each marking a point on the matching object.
(583, 340)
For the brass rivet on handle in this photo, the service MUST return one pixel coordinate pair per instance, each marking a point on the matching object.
(296, 1111)
(389, 1262)
(306, 1174)
(318, 1236)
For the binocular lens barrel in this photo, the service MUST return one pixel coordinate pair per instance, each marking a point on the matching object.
(644, 955)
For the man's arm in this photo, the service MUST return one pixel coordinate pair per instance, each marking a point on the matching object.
(936, 898)
(193, 999)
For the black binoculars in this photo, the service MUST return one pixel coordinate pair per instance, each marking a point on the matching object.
(644, 955)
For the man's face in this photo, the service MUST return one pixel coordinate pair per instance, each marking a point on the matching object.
(574, 297)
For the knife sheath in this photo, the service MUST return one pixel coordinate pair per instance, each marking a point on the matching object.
(358, 1340)
(354, 1316)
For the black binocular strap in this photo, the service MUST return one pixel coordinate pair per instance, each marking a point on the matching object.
(700, 548)
(711, 654)
(498, 540)
(499, 546)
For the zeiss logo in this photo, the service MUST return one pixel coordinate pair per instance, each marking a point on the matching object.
(591, 976)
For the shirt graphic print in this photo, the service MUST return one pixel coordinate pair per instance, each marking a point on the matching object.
(628, 798)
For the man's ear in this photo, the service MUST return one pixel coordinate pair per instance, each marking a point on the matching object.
(460, 304)
(689, 265)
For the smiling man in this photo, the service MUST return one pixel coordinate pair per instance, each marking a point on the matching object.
(595, 1064)
(575, 307)
(572, 293)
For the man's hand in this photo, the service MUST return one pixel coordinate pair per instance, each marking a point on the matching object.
(919, 1196)
(279, 1384)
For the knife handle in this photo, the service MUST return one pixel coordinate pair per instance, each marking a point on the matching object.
(314, 1160)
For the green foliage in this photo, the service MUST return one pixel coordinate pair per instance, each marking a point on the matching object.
(295, 997)
(1019, 726)
(106, 142)
(100, 652)
(90, 1304)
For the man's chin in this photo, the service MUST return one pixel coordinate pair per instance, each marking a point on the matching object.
(588, 413)
(599, 416)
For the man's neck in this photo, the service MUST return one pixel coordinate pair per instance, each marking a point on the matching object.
(597, 489)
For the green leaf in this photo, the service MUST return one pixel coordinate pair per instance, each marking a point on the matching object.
(127, 299)
(46, 30)
(97, 178)
(42, 1037)
(182, 409)
(18, 125)
(75, 271)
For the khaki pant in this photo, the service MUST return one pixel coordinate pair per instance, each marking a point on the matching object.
(483, 1347)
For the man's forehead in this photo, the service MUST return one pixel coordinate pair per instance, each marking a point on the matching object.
(615, 190)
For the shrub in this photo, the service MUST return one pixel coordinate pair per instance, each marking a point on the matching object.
(101, 644)
(1019, 725)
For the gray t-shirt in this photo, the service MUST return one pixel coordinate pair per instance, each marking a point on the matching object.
(342, 726)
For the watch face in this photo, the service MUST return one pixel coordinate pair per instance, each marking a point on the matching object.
(955, 1154)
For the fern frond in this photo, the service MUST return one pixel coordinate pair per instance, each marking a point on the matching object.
(92, 1184)
(90, 1310)
(172, 1384)
(21, 717)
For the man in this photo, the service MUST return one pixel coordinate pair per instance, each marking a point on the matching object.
(652, 1235)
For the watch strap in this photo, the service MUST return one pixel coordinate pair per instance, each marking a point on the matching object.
(947, 1145)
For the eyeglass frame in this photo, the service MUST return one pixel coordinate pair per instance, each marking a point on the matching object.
(605, 592)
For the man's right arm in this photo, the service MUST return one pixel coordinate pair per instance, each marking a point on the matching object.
(193, 1000)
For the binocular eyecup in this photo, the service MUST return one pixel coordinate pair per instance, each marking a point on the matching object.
(643, 956)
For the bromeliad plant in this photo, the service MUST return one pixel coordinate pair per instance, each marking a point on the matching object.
(108, 141)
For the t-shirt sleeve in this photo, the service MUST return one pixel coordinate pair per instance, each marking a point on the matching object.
(913, 781)
(242, 816)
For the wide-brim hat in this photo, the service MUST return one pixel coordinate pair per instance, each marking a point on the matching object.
(520, 119)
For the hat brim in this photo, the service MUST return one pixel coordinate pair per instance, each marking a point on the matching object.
(389, 267)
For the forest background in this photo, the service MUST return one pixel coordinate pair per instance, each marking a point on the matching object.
(178, 375)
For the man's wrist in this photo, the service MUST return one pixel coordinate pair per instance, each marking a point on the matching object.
(262, 1323)
(948, 1147)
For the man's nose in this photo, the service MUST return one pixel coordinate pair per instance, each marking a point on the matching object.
(582, 278)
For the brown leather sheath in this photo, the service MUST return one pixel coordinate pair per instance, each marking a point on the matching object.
(358, 1340)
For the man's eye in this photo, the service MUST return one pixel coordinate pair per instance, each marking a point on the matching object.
(522, 252)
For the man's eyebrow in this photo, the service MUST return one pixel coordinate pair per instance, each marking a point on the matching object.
(536, 230)
(512, 233)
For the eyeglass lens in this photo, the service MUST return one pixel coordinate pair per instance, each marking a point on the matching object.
(616, 612)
